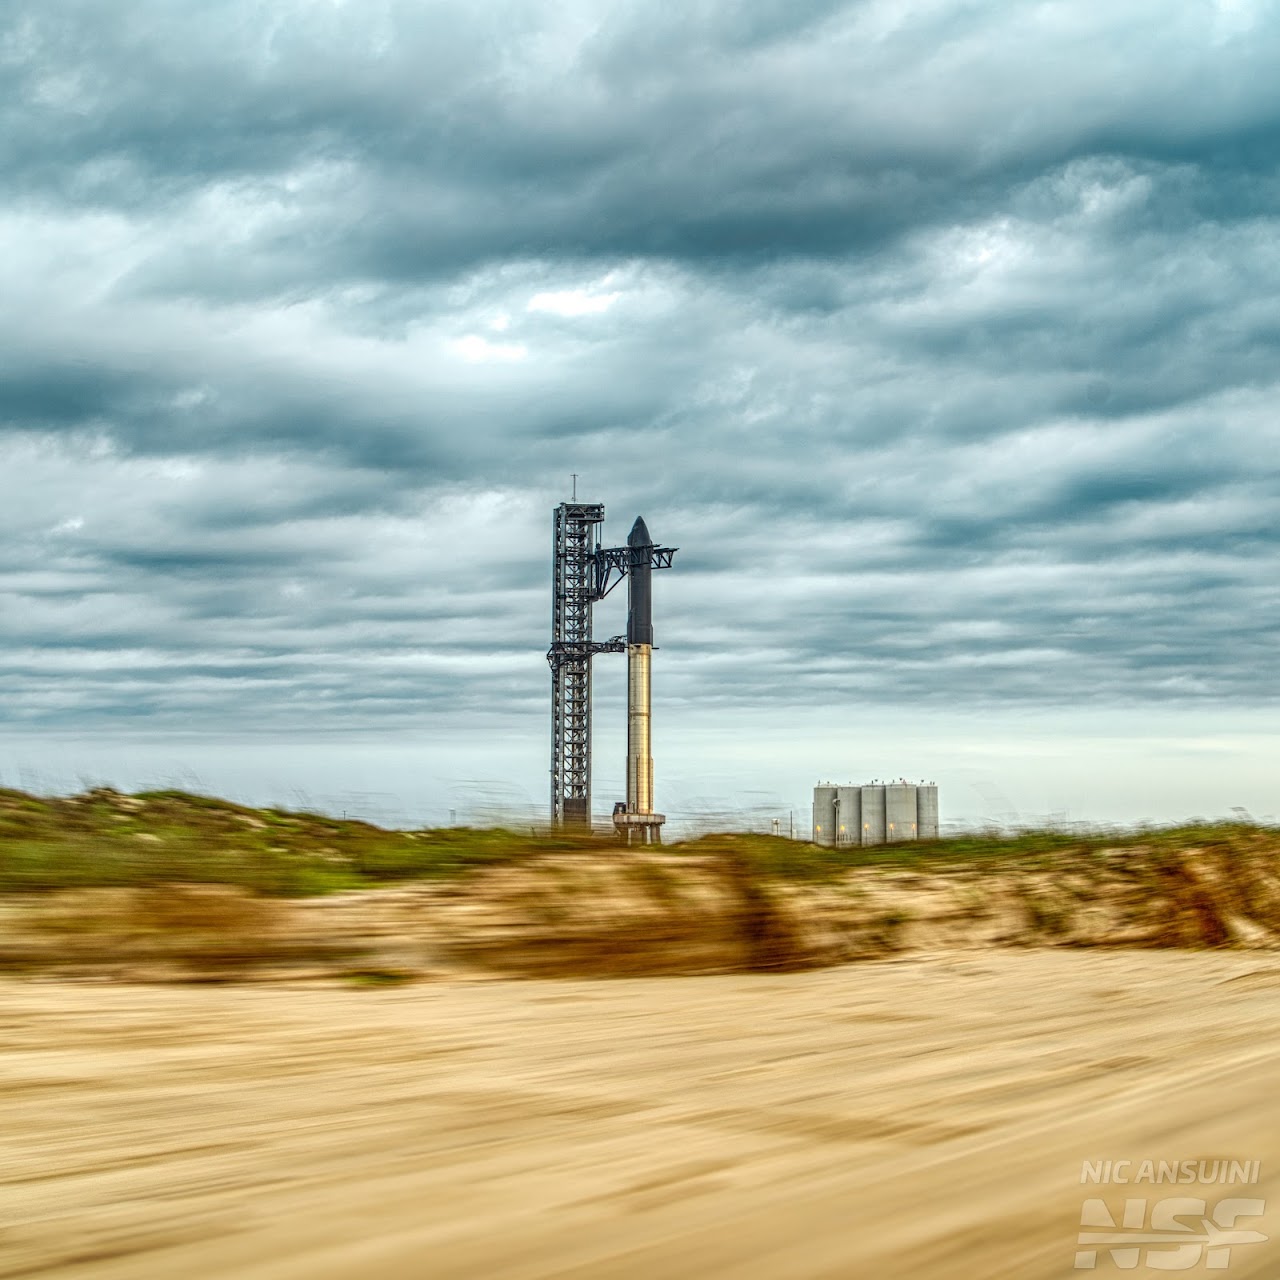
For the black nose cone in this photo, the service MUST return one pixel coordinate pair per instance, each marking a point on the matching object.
(639, 535)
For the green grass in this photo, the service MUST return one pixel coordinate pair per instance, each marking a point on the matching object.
(774, 857)
(103, 838)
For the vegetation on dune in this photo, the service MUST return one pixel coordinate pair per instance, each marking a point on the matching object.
(167, 883)
(777, 858)
(105, 839)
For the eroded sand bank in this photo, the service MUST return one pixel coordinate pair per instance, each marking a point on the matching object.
(923, 1117)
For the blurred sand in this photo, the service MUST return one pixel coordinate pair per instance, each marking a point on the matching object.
(924, 1117)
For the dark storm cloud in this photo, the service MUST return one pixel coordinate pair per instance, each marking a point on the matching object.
(940, 337)
(401, 141)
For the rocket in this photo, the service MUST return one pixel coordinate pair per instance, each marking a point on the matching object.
(639, 656)
(639, 820)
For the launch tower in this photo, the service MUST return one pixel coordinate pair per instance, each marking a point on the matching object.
(573, 593)
(584, 572)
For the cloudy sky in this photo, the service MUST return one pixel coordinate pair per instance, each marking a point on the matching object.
(940, 335)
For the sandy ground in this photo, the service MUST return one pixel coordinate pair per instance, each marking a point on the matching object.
(921, 1118)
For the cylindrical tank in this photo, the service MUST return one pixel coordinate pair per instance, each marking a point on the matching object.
(927, 810)
(900, 812)
(873, 815)
(849, 817)
(824, 814)
(639, 754)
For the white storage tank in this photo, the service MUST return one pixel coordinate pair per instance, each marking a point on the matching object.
(900, 812)
(848, 815)
(927, 810)
(873, 814)
(824, 814)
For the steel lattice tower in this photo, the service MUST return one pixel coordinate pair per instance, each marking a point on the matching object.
(573, 594)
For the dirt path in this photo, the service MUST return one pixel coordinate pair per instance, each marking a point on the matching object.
(922, 1118)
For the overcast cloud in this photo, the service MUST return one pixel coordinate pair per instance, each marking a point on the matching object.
(941, 336)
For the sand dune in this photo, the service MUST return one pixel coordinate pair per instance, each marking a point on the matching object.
(926, 1117)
